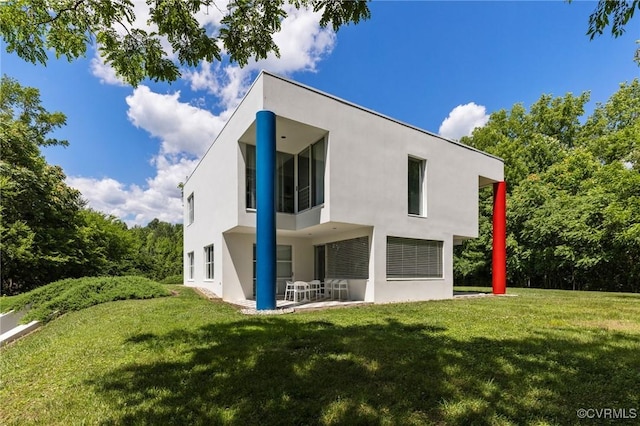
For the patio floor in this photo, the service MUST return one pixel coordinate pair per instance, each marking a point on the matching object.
(287, 305)
(313, 304)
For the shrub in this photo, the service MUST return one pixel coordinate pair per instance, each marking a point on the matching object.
(173, 279)
(74, 294)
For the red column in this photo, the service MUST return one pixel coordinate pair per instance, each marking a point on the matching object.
(499, 258)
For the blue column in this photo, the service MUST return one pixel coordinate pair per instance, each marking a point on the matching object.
(266, 210)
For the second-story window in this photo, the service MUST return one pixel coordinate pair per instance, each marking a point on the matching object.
(311, 176)
(306, 181)
(190, 209)
(415, 181)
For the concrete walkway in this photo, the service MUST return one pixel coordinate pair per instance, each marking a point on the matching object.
(11, 329)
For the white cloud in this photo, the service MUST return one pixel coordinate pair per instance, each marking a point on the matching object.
(302, 44)
(104, 72)
(160, 198)
(185, 131)
(462, 120)
(181, 127)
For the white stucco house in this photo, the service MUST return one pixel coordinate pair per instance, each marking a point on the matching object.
(358, 196)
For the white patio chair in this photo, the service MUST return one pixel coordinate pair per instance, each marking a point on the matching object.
(328, 287)
(340, 286)
(288, 290)
(301, 288)
(314, 288)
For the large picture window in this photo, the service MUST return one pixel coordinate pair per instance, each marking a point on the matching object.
(348, 258)
(208, 262)
(415, 194)
(307, 177)
(413, 258)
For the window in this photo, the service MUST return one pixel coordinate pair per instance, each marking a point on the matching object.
(190, 264)
(311, 176)
(317, 172)
(190, 209)
(284, 267)
(208, 262)
(415, 186)
(250, 174)
(304, 179)
(308, 178)
(412, 258)
(285, 185)
(285, 181)
(348, 258)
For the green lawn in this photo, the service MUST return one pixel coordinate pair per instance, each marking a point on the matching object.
(532, 359)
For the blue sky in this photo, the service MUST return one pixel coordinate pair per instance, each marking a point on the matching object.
(419, 62)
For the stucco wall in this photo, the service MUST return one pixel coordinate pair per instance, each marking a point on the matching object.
(238, 266)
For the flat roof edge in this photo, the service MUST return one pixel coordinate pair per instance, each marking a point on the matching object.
(370, 111)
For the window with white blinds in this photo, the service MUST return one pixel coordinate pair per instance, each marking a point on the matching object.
(348, 258)
(413, 258)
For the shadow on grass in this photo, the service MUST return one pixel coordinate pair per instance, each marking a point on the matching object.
(278, 371)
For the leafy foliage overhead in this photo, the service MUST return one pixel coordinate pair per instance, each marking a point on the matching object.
(614, 13)
(135, 49)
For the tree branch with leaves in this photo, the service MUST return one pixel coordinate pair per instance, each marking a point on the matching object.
(614, 13)
(135, 49)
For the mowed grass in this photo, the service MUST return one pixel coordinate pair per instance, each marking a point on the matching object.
(532, 359)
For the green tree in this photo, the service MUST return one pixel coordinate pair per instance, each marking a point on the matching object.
(158, 248)
(40, 212)
(573, 216)
(612, 132)
(66, 27)
(579, 223)
(106, 245)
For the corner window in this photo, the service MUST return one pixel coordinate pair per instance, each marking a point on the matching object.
(317, 172)
(303, 178)
(285, 182)
(416, 173)
(190, 209)
(413, 258)
(208, 262)
(285, 185)
(311, 176)
(190, 265)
